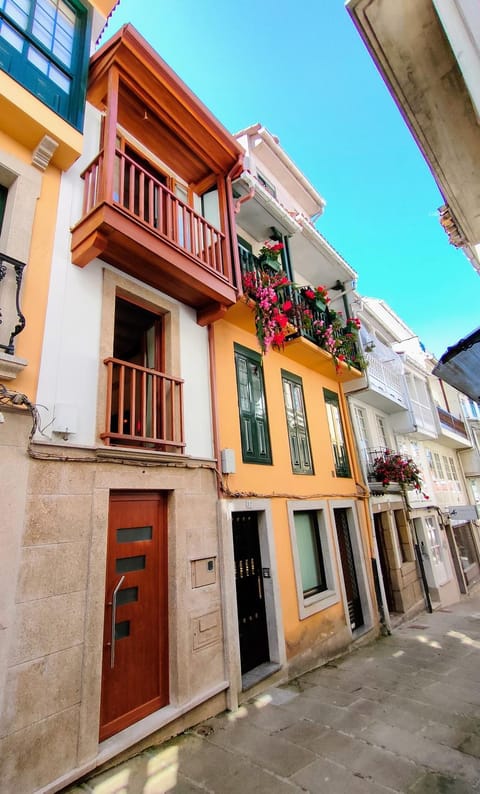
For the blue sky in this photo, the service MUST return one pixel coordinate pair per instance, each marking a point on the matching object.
(301, 69)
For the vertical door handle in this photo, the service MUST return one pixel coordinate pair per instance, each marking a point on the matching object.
(114, 617)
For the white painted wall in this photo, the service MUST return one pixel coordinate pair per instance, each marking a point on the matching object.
(70, 355)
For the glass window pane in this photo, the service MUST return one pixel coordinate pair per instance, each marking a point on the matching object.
(18, 11)
(38, 60)
(57, 77)
(309, 552)
(126, 564)
(9, 34)
(127, 596)
(132, 534)
(122, 629)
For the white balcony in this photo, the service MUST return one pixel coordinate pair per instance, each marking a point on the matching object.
(383, 385)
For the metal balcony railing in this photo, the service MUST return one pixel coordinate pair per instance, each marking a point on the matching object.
(12, 321)
(303, 324)
(144, 197)
(144, 407)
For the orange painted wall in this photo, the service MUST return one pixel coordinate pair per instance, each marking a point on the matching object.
(278, 483)
(36, 276)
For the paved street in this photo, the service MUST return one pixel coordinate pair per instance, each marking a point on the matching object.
(401, 715)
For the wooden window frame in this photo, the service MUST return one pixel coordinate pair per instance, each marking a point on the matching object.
(253, 359)
(337, 439)
(70, 107)
(296, 433)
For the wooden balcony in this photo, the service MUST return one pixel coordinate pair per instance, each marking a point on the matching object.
(144, 408)
(144, 229)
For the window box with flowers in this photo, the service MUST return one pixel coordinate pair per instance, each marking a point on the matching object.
(284, 310)
(391, 468)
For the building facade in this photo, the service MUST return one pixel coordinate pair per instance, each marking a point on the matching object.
(297, 555)
(114, 615)
(424, 550)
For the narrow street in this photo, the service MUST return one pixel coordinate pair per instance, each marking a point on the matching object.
(400, 715)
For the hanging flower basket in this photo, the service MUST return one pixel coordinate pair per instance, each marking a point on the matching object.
(269, 255)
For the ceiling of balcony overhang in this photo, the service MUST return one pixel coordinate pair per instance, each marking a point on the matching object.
(408, 44)
(259, 213)
(149, 91)
(460, 366)
(317, 263)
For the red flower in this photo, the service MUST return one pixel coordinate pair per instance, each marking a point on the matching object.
(309, 293)
(287, 306)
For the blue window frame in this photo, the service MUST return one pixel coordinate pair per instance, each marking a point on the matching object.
(44, 46)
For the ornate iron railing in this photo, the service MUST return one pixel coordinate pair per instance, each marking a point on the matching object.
(12, 321)
(144, 407)
(146, 198)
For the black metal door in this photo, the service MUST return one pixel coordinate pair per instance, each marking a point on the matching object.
(348, 567)
(252, 621)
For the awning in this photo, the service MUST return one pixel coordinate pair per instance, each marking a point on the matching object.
(460, 366)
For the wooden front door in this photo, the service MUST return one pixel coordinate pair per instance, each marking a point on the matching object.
(355, 613)
(252, 620)
(135, 648)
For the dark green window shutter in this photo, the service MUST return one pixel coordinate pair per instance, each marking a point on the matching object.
(252, 407)
(337, 437)
(297, 424)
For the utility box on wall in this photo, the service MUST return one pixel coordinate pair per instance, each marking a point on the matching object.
(204, 572)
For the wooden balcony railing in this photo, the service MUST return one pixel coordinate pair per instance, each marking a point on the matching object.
(451, 422)
(143, 196)
(144, 408)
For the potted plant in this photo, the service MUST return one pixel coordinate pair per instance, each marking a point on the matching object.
(316, 297)
(269, 254)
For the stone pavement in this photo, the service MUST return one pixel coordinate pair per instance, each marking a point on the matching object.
(399, 715)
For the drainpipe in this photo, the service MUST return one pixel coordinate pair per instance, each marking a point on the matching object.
(232, 235)
(213, 397)
(232, 228)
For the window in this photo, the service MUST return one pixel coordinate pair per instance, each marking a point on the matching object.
(342, 466)
(43, 45)
(453, 471)
(312, 555)
(437, 466)
(297, 428)
(252, 407)
(381, 431)
(362, 433)
(267, 185)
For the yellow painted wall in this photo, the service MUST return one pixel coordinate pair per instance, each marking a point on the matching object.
(36, 276)
(280, 484)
